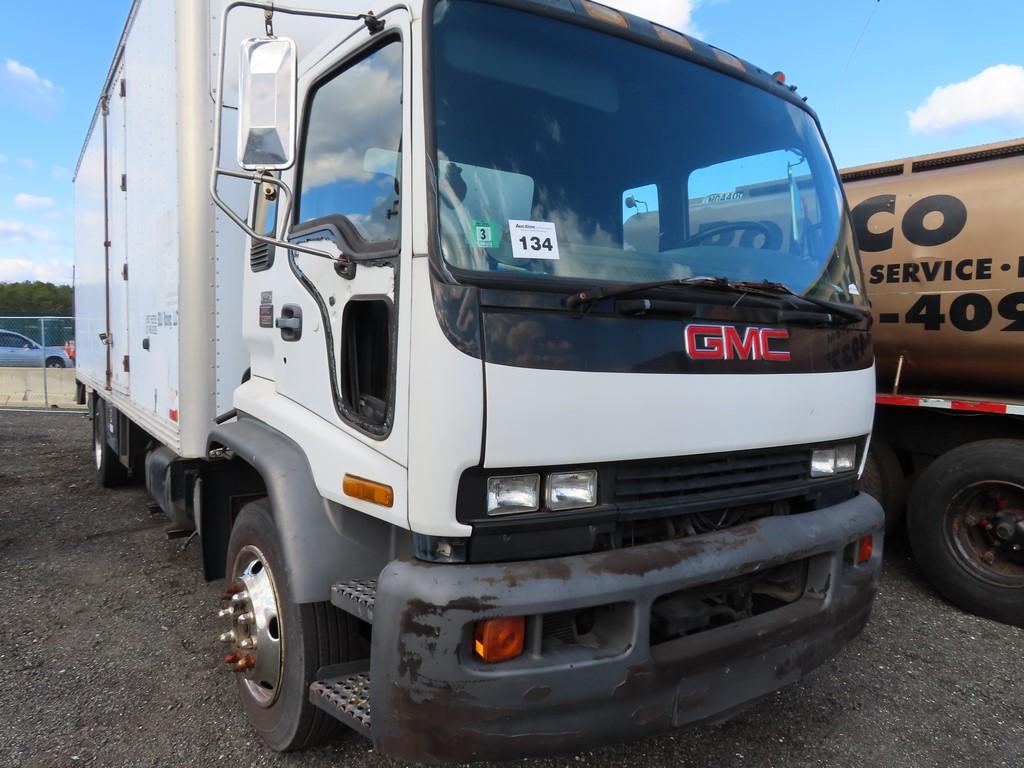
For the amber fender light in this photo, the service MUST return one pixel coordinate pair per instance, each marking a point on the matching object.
(499, 639)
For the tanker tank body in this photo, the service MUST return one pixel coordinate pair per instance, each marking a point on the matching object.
(942, 242)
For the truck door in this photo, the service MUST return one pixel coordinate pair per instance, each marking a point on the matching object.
(117, 201)
(341, 332)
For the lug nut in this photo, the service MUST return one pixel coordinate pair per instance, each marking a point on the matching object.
(244, 663)
(245, 618)
(225, 613)
(970, 520)
(233, 589)
(228, 637)
(247, 643)
(989, 557)
(239, 597)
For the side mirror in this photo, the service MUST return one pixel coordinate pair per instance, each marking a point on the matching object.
(266, 104)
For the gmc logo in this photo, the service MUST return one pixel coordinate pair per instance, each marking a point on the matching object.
(726, 342)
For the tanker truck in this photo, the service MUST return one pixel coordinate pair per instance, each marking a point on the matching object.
(942, 239)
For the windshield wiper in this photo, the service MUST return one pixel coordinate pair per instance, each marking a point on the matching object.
(849, 313)
(833, 314)
(589, 295)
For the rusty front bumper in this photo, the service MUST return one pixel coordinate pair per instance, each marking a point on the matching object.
(433, 701)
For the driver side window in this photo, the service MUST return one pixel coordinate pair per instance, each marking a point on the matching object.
(351, 164)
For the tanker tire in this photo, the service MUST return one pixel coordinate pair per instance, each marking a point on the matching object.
(110, 472)
(314, 635)
(883, 479)
(935, 489)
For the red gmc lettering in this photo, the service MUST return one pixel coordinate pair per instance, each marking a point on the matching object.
(726, 342)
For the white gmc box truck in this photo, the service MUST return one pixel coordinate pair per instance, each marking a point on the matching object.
(517, 377)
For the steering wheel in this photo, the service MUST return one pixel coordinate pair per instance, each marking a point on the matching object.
(728, 226)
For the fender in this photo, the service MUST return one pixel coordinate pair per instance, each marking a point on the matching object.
(323, 542)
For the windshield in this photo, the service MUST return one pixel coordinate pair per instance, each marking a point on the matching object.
(570, 153)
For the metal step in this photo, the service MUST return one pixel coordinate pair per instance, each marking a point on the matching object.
(355, 596)
(346, 698)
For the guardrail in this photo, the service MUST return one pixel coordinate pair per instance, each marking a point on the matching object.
(37, 362)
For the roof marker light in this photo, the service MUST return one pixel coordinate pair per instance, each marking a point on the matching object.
(779, 77)
(729, 60)
(605, 14)
(672, 37)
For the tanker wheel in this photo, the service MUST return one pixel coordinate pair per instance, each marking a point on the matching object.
(883, 478)
(966, 527)
(275, 646)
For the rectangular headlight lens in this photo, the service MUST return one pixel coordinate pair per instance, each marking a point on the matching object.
(823, 462)
(513, 495)
(826, 462)
(572, 490)
(846, 458)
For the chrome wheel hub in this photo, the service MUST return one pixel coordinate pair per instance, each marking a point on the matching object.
(254, 639)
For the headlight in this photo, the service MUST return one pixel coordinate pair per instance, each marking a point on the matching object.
(836, 460)
(513, 495)
(572, 490)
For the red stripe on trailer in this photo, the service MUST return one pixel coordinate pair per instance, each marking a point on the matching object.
(897, 400)
(974, 406)
(967, 405)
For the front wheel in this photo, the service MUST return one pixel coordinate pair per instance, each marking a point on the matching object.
(966, 527)
(275, 645)
(55, 362)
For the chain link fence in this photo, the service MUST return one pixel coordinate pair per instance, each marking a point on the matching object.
(37, 362)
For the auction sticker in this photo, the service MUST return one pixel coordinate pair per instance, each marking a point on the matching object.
(533, 239)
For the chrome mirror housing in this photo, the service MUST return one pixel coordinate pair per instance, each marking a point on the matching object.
(267, 103)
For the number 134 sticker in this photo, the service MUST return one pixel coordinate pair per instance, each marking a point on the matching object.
(533, 239)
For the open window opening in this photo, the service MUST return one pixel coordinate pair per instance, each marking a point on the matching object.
(366, 359)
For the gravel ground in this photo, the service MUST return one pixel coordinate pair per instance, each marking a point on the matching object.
(107, 653)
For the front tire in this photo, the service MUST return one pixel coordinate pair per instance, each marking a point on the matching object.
(55, 362)
(275, 690)
(962, 509)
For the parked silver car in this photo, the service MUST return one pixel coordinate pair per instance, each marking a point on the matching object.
(18, 351)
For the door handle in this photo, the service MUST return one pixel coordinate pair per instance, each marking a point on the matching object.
(290, 322)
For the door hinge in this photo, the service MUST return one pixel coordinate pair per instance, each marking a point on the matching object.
(124, 182)
(125, 364)
(124, 271)
(124, 87)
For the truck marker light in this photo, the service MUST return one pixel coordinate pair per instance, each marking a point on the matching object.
(499, 639)
(606, 14)
(367, 490)
(865, 548)
(727, 342)
(672, 37)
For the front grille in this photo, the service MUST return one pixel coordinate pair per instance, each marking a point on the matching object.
(706, 477)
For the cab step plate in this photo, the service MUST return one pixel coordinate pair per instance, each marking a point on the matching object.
(355, 596)
(345, 698)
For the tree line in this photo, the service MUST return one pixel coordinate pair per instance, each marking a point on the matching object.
(35, 298)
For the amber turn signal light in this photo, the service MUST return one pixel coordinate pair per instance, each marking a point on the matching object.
(499, 639)
(865, 547)
(367, 490)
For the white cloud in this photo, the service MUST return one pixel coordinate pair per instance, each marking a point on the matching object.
(36, 93)
(26, 202)
(13, 270)
(26, 162)
(14, 232)
(994, 95)
(676, 14)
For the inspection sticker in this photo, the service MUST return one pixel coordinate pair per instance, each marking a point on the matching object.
(484, 234)
(533, 239)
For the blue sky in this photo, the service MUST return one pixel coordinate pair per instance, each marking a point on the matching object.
(873, 84)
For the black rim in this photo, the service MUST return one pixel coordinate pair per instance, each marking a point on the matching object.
(979, 525)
